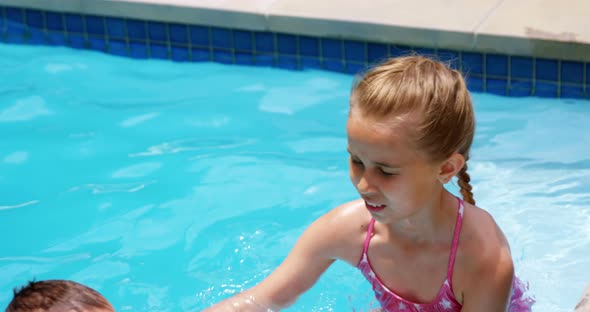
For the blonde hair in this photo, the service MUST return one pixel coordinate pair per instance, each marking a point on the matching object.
(432, 95)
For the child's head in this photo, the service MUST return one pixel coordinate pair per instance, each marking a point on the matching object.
(424, 104)
(57, 295)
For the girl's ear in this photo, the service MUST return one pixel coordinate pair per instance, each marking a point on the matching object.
(450, 167)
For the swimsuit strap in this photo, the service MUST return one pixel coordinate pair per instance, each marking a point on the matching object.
(454, 246)
(368, 238)
(455, 240)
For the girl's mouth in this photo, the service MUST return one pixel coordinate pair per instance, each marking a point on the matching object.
(374, 207)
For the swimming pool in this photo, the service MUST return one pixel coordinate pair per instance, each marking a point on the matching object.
(168, 186)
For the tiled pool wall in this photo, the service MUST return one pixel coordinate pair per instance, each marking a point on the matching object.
(508, 75)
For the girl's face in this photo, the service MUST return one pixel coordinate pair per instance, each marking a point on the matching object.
(393, 178)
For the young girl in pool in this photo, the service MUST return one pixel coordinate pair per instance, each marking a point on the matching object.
(410, 128)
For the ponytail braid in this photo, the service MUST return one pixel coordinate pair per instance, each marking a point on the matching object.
(464, 179)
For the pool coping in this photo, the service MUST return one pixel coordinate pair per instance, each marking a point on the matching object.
(462, 26)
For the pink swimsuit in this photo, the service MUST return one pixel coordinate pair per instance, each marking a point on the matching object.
(445, 300)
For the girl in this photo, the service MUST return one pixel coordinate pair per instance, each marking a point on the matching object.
(410, 128)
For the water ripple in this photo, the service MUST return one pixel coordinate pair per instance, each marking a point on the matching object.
(7, 207)
(16, 158)
(114, 187)
(192, 145)
(51, 260)
(25, 109)
(133, 121)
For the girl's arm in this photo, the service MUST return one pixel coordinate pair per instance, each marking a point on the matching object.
(313, 253)
(490, 284)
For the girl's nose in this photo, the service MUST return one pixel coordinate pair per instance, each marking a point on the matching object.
(364, 186)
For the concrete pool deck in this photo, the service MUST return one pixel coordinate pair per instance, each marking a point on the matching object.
(537, 28)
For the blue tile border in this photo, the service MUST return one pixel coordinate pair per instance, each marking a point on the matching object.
(309, 46)
(221, 38)
(54, 21)
(507, 75)
(287, 45)
(547, 70)
(243, 40)
(74, 23)
(178, 34)
(472, 63)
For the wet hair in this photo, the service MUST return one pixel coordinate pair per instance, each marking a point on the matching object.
(57, 295)
(431, 97)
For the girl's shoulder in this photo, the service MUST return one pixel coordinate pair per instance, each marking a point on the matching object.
(346, 226)
(352, 216)
(480, 233)
(483, 247)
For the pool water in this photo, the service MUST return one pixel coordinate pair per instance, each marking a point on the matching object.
(170, 186)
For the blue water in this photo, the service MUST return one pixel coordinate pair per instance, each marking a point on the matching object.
(168, 186)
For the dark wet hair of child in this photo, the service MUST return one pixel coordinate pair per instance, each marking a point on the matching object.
(57, 295)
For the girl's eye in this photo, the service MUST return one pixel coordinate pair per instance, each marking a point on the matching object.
(385, 173)
(356, 161)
